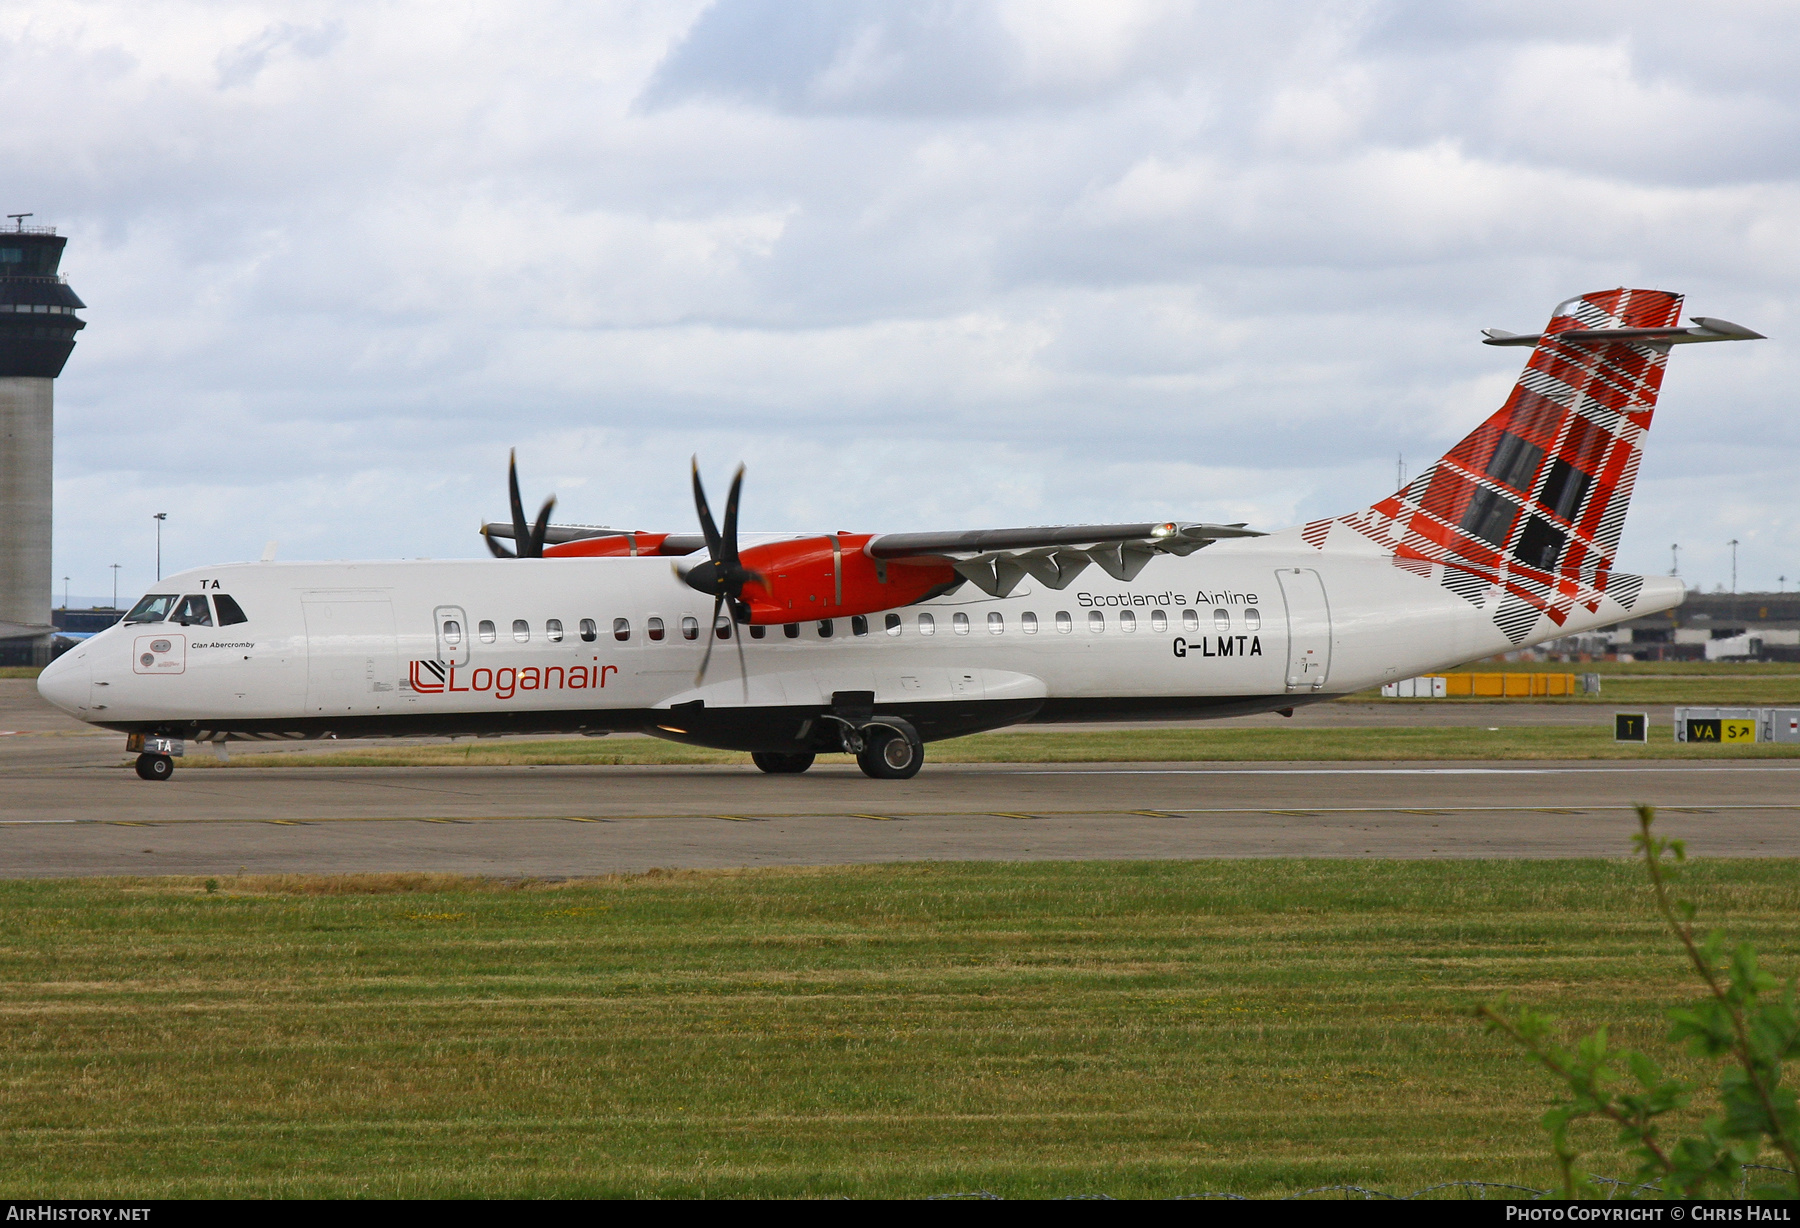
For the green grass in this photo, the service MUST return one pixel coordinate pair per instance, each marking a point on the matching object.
(1038, 1029)
(20, 671)
(1049, 746)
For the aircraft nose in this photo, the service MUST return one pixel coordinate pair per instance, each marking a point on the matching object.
(64, 683)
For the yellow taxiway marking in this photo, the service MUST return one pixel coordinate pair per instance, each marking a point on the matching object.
(879, 818)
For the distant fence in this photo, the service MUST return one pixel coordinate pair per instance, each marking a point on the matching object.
(1493, 686)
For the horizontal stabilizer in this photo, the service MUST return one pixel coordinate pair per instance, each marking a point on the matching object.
(1707, 328)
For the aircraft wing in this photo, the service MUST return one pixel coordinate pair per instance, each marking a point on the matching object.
(563, 534)
(995, 560)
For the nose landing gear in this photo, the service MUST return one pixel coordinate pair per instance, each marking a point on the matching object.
(156, 757)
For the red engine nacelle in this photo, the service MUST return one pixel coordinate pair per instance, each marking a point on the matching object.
(616, 545)
(831, 577)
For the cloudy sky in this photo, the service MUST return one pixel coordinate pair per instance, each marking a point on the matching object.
(919, 265)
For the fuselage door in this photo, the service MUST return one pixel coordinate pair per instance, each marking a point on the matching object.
(1309, 628)
(453, 633)
(351, 663)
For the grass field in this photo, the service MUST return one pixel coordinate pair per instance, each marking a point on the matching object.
(1041, 746)
(1050, 1028)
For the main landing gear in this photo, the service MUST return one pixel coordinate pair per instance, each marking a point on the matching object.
(782, 765)
(155, 767)
(890, 753)
(888, 750)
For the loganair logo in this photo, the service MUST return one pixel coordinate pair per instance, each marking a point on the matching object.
(437, 678)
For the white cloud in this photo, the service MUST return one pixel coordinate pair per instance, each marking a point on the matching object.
(924, 265)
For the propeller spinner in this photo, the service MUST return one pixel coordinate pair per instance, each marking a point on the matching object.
(528, 540)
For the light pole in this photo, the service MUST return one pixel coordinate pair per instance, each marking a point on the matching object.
(159, 518)
(1675, 559)
(65, 593)
(115, 571)
(1734, 545)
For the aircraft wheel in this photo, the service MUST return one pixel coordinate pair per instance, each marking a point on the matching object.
(888, 754)
(781, 765)
(155, 767)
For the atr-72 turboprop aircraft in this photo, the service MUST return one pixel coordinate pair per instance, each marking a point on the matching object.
(877, 644)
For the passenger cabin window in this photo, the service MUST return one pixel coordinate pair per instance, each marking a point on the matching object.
(589, 632)
(996, 623)
(621, 629)
(553, 630)
(690, 627)
(192, 612)
(791, 630)
(1158, 621)
(927, 625)
(859, 625)
(1190, 621)
(653, 627)
(757, 631)
(722, 627)
(521, 630)
(959, 623)
(452, 632)
(1127, 621)
(825, 628)
(1252, 618)
(1221, 620)
(1028, 623)
(230, 612)
(1064, 622)
(485, 629)
(892, 624)
(1096, 622)
(151, 609)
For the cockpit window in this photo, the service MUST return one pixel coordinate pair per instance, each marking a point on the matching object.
(192, 612)
(151, 609)
(230, 612)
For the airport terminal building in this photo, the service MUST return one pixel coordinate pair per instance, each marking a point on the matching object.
(1705, 627)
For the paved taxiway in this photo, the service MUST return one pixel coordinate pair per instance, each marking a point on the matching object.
(69, 806)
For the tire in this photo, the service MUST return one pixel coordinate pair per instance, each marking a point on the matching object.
(782, 765)
(155, 767)
(888, 754)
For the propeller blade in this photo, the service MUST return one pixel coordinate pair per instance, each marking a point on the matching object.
(743, 667)
(521, 538)
(538, 530)
(494, 547)
(707, 527)
(731, 521)
(712, 633)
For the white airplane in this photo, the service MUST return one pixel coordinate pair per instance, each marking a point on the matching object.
(877, 644)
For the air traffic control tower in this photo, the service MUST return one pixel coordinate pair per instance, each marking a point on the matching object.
(37, 334)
